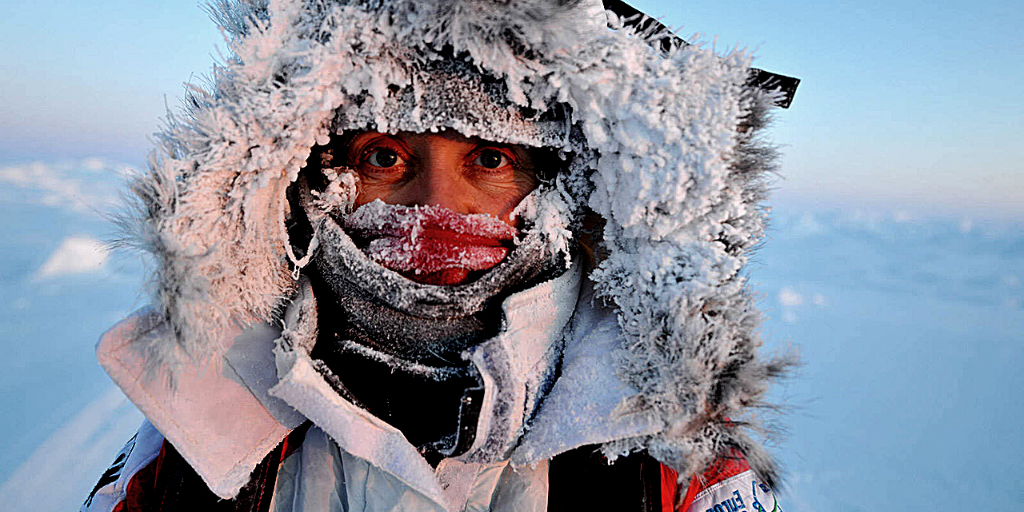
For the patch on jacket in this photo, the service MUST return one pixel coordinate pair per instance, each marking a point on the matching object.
(740, 493)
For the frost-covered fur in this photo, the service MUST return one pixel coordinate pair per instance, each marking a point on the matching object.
(664, 147)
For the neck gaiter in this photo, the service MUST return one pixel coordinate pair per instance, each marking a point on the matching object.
(393, 345)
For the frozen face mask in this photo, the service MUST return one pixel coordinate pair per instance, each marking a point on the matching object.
(376, 248)
(429, 244)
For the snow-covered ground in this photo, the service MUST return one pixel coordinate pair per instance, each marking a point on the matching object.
(910, 330)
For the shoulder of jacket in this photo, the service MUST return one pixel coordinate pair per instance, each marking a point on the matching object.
(112, 488)
(729, 484)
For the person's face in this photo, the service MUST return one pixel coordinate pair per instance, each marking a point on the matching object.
(467, 175)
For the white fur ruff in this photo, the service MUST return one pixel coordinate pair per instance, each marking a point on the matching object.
(658, 155)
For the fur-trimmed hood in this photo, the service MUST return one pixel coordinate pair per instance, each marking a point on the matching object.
(664, 147)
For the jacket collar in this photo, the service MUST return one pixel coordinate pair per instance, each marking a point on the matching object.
(514, 365)
(588, 403)
(225, 415)
(211, 414)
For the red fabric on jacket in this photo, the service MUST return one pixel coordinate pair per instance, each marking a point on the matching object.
(724, 468)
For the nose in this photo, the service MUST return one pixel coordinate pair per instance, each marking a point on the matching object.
(438, 183)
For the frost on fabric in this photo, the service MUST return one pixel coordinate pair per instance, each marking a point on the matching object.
(341, 191)
(518, 365)
(427, 255)
(413, 222)
(655, 152)
(427, 239)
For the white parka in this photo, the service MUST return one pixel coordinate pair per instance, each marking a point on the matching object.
(664, 147)
(224, 418)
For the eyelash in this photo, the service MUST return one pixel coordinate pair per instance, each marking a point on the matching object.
(373, 148)
(510, 158)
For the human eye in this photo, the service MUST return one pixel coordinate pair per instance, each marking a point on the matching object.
(493, 159)
(383, 158)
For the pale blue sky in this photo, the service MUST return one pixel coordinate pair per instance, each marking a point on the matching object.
(903, 104)
(902, 101)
